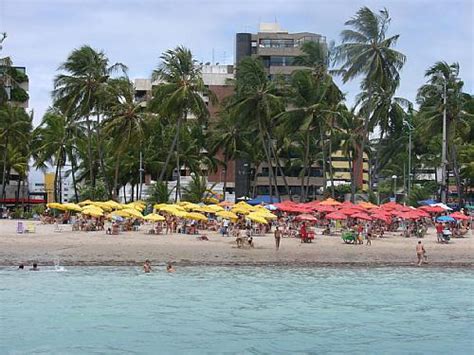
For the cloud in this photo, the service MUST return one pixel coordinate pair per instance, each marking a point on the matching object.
(43, 32)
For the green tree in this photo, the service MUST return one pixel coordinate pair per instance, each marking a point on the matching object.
(179, 94)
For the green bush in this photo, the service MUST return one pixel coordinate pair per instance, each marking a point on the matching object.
(18, 75)
(39, 209)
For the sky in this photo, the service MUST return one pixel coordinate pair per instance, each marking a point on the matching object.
(41, 33)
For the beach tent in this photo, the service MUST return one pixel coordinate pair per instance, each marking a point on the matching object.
(262, 199)
(426, 202)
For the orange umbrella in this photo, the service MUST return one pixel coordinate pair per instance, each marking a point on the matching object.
(336, 215)
(330, 202)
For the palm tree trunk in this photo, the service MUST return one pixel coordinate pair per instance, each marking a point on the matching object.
(116, 175)
(283, 175)
(331, 173)
(17, 197)
(269, 162)
(73, 172)
(305, 167)
(178, 177)
(89, 152)
(56, 181)
(351, 171)
(323, 150)
(456, 175)
(168, 157)
(124, 193)
(226, 160)
(4, 173)
(101, 159)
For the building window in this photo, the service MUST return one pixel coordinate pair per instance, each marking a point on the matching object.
(281, 61)
(277, 43)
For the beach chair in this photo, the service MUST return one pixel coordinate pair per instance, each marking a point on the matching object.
(20, 228)
(30, 227)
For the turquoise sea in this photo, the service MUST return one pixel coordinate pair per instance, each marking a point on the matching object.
(257, 310)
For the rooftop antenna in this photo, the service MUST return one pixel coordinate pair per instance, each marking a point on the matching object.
(224, 59)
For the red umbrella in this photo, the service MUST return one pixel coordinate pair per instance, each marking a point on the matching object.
(336, 215)
(432, 209)
(363, 216)
(306, 217)
(325, 209)
(409, 215)
(422, 213)
(348, 211)
(382, 217)
(459, 216)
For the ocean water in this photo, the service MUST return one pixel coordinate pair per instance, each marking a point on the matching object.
(257, 310)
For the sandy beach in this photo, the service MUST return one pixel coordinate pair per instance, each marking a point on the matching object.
(131, 248)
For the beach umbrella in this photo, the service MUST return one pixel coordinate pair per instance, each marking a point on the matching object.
(114, 205)
(196, 216)
(271, 207)
(265, 214)
(348, 211)
(445, 219)
(133, 212)
(363, 216)
(330, 202)
(102, 205)
(240, 210)
(120, 213)
(256, 218)
(56, 206)
(72, 207)
(367, 205)
(382, 217)
(85, 202)
(432, 209)
(306, 217)
(226, 204)
(459, 216)
(153, 217)
(226, 215)
(422, 213)
(325, 208)
(443, 206)
(189, 206)
(336, 216)
(92, 212)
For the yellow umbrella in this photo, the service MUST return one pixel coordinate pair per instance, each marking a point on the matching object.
(240, 210)
(257, 218)
(114, 205)
(154, 217)
(215, 208)
(72, 207)
(226, 204)
(133, 212)
(56, 206)
(192, 207)
(159, 205)
(121, 213)
(266, 215)
(92, 212)
(227, 214)
(196, 216)
(104, 206)
(86, 202)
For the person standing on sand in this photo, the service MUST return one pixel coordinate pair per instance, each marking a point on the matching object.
(147, 266)
(420, 252)
(277, 237)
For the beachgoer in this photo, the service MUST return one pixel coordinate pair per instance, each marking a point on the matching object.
(21, 267)
(147, 266)
(420, 252)
(277, 238)
(240, 238)
(439, 231)
(369, 237)
(169, 268)
(35, 267)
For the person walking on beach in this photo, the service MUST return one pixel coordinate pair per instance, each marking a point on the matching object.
(147, 266)
(277, 238)
(420, 252)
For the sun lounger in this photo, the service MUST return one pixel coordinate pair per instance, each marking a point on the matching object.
(30, 228)
(20, 228)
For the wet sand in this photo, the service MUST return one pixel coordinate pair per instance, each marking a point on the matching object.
(47, 247)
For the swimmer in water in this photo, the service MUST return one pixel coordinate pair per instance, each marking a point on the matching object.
(147, 266)
(170, 268)
(35, 267)
(21, 267)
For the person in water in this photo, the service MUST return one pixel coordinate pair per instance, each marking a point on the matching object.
(35, 267)
(420, 253)
(170, 268)
(21, 267)
(147, 266)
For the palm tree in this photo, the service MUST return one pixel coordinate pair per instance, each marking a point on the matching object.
(78, 91)
(55, 142)
(124, 123)
(366, 51)
(458, 119)
(178, 94)
(15, 128)
(256, 104)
